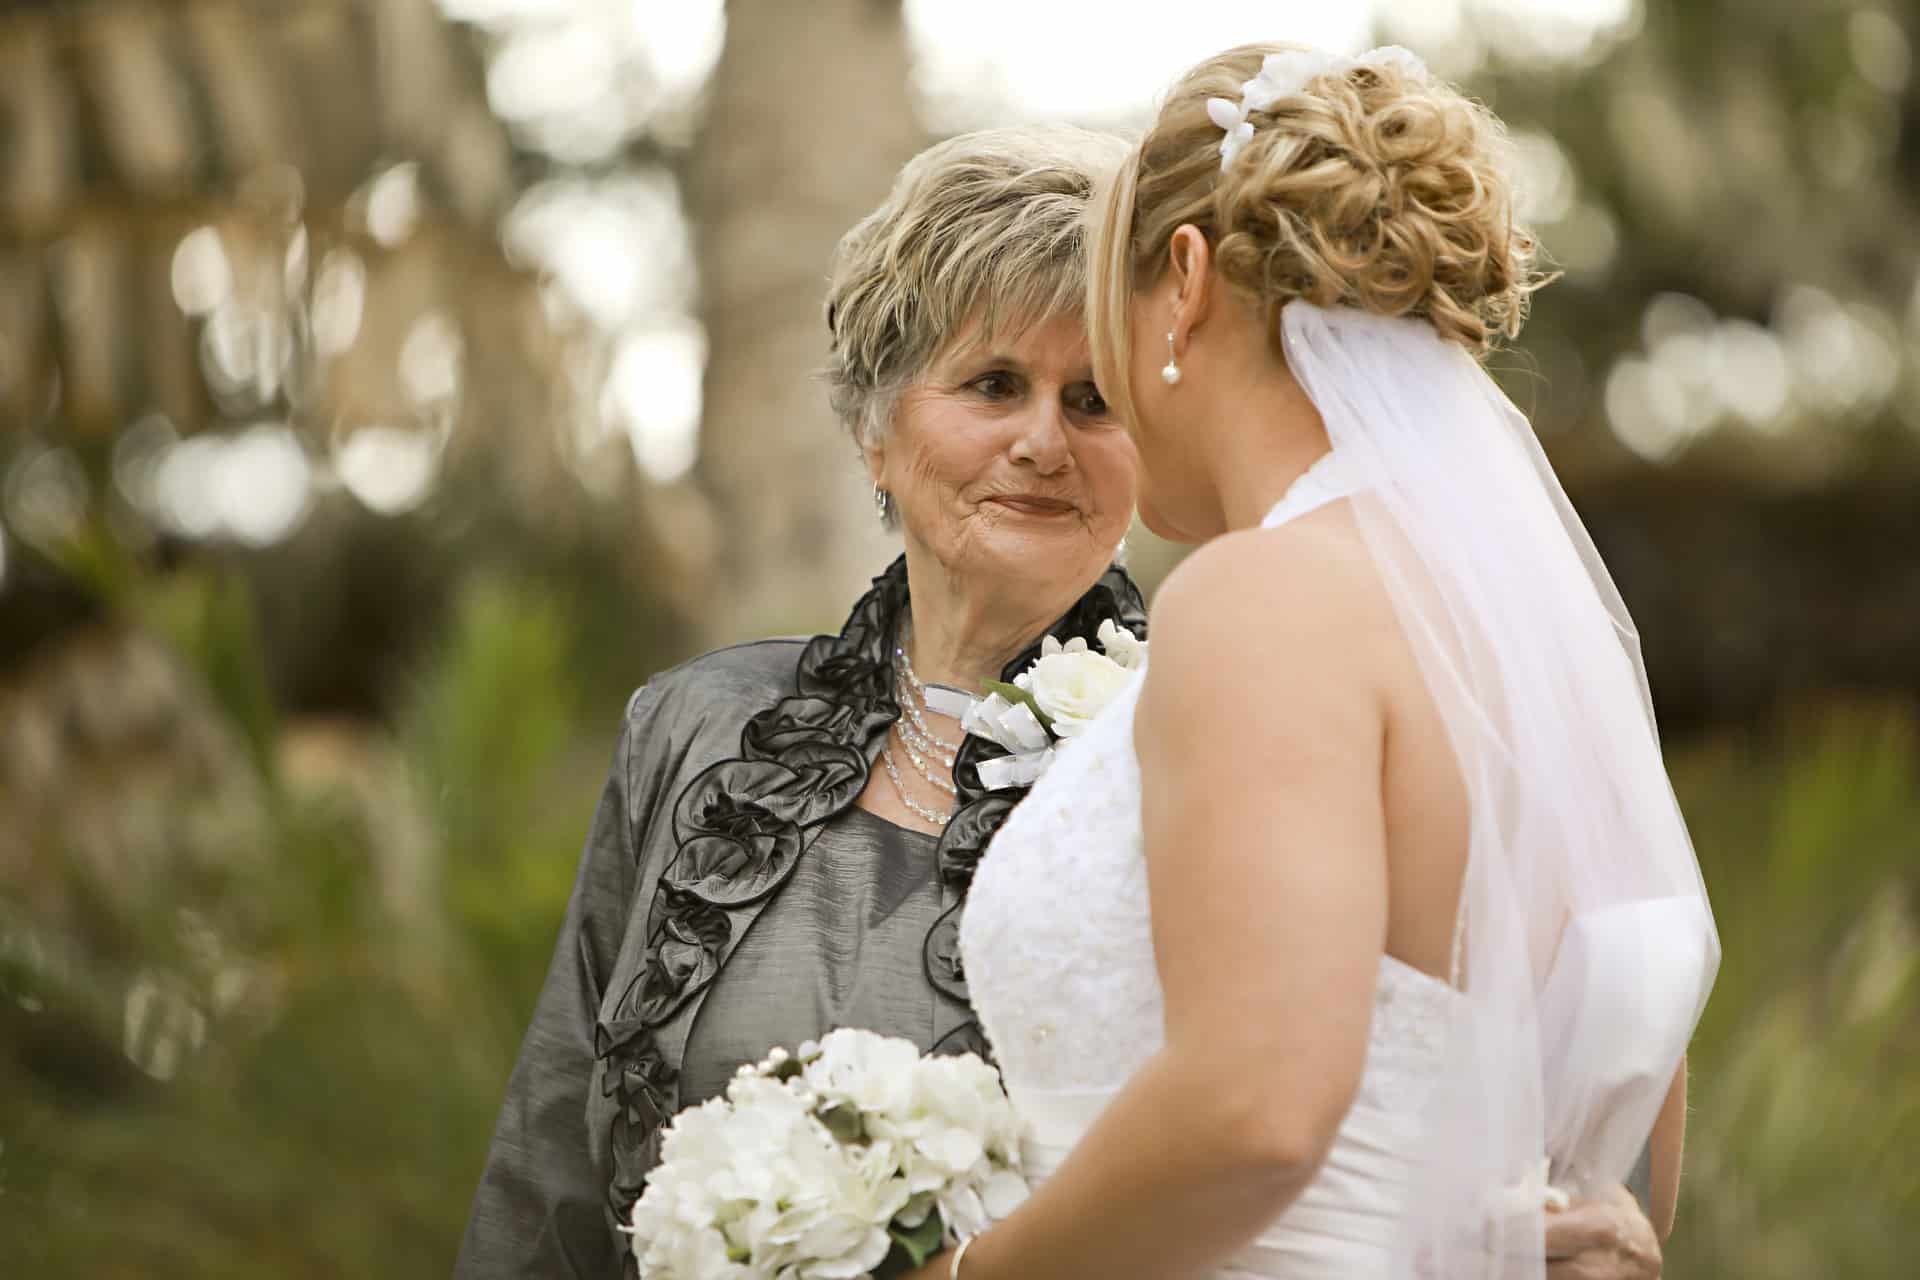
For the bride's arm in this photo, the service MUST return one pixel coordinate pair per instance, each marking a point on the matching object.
(1259, 734)
(1669, 1139)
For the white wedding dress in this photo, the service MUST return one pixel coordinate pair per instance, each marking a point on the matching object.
(1058, 948)
(1586, 942)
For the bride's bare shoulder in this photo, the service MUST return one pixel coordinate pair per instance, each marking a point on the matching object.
(1268, 646)
(1309, 578)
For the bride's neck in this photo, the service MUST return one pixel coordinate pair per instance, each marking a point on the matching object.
(1252, 460)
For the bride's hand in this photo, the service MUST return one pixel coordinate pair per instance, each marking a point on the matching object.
(1608, 1238)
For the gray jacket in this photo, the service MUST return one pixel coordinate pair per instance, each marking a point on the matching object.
(726, 769)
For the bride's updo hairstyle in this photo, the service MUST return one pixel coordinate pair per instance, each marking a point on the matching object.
(1375, 186)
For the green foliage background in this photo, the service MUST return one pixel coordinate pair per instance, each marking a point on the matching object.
(338, 847)
(339, 1130)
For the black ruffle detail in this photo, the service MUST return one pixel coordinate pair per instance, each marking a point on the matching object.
(741, 827)
(643, 1080)
(978, 812)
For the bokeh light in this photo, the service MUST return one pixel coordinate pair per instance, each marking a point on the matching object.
(654, 391)
(252, 486)
(390, 388)
(389, 469)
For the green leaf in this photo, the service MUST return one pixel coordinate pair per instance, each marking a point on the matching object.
(1014, 693)
(844, 1123)
(897, 1263)
(923, 1241)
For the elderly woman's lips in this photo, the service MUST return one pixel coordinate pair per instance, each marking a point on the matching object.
(1036, 506)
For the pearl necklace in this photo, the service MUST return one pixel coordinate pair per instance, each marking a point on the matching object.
(914, 704)
(937, 817)
(913, 734)
(919, 741)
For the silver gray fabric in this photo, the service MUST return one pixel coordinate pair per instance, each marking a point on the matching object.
(840, 947)
(541, 1207)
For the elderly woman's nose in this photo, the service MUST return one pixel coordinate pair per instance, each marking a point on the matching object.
(1042, 438)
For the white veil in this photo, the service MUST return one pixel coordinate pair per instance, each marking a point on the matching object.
(1585, 946)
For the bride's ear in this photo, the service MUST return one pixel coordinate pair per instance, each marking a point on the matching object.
(1190, 267)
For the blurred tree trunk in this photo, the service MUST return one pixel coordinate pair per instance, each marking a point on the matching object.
(266, 138)
(808, 123)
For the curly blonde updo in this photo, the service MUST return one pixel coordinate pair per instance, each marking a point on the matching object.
(1373, 187)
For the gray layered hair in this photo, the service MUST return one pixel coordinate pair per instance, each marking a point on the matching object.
(989, 226)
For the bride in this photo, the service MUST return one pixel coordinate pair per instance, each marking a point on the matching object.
(1366, 925)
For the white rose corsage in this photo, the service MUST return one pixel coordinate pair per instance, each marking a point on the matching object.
(1055, 698)
(857, 1156)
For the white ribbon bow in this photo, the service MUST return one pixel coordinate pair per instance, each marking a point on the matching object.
(1014, 726)
(1282, 75)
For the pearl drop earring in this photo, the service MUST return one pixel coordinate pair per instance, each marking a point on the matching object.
(1171, 374)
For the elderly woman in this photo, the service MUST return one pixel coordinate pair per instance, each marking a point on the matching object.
(787, 835)
(785, 841)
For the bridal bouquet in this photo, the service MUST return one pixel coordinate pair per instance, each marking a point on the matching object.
(855, 1157)
(1057, 697)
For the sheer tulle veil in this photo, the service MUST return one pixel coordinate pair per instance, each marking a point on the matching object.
(1585, 945)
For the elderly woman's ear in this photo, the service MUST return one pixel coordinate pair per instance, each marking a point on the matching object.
(885, 509)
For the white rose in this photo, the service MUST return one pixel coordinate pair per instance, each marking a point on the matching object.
(1121, 645)
(1073, 685)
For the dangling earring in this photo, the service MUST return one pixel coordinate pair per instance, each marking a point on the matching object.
(1171, 374)
(882, 500)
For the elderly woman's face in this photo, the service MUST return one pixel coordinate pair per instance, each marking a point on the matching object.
(1005, 460)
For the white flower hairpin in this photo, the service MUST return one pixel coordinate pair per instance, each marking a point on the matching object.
(1282, 75)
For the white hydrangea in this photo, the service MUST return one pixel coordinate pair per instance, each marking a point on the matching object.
(873, 1073)
(807, 1176)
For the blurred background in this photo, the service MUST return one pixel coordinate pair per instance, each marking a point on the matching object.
(387, 387)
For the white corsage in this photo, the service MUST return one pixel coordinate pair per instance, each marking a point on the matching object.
(1057, 697)
(1282, 75)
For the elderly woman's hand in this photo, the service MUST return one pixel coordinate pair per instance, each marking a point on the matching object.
(1608, 1238)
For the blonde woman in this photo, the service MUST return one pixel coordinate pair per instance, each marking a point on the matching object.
(1365, 927)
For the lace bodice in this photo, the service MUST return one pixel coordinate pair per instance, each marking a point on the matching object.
(1058, 949)
(1057, 921)
(1058, 939)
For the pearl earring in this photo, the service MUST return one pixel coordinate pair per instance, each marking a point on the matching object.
(881, 501)
(1171, 374)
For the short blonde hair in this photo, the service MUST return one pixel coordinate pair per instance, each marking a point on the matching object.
(1373, 187)
(989, 225)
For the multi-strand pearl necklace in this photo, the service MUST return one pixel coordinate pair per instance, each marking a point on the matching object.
(923, 746)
